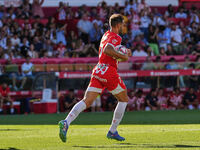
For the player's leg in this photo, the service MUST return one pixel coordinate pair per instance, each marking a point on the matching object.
(86, 102)
(90, 96)
(121, 94)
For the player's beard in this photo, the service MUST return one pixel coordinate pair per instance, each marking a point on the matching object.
(120, 30)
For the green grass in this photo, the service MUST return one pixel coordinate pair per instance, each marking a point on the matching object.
(156, 130)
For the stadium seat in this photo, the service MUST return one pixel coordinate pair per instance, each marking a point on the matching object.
(52, 67)
(38, 68)
(81, 67)
(66, 67)
(11, 68)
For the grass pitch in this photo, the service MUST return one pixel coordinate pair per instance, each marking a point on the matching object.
(156, 130)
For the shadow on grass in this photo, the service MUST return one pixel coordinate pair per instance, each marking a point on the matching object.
(130, 145)
(10, 148)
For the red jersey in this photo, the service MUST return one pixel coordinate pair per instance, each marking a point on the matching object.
(112, 39)
(4, 92)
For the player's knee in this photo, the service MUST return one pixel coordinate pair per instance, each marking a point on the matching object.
(124, 99)
(88, 103)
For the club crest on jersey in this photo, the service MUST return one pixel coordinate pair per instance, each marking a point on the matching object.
(114, 41)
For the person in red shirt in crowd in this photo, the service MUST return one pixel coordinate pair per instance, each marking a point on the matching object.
(176, 99)
(5, 97)
(61, 49)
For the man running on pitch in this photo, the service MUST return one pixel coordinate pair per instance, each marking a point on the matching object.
(104, 75)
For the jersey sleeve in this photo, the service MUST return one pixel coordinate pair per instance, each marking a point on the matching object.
(114, 41)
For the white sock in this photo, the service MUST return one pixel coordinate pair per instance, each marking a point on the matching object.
(1, 109)
(76, 110)
(118, 114)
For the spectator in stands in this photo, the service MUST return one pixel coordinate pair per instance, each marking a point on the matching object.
(48, 47)
(15, 40)
(143, 6)
(139, 100)
(103, 10)
(190, 100)
(24, 47)
(180, 13)
(139, 51)
(151, 101)
(170, 11)
(70, 100)
(61, 11)
(26, 7)
(132, 5)
(37, 8)
(95, 35)
(152, 39)
(38, 45)
(27, 69)
(176, 100)
(176, 38)
(32, 52)
(145, 22)
(148, 64)
(131, 103)
(170, 50)
(96, 105)
(84, 26)
(110, 103)
(159, 65)
(5, 97)
(134, 23)
(60, 34)
(194, 15)
(162, 99)
(61, 49)
(162, 37)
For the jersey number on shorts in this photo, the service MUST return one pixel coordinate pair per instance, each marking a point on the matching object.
(101, 68)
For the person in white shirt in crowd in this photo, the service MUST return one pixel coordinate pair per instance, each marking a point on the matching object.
(15, 40)
(131, 5)
(139, 51)
(61, 11)
(84, 27)
(143, 6)
(194, 16)
(26, 68)
(134, 23)
(176, 39)
(181, 14)
(145, 21)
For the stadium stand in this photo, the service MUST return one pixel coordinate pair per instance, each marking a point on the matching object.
(54, 43)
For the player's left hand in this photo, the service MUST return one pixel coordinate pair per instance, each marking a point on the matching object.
(129, 52)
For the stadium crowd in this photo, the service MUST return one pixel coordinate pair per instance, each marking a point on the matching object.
(77, 32)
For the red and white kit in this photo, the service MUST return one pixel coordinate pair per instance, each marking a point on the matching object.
(105, 75)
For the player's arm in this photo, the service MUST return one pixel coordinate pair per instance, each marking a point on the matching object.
(110, 51)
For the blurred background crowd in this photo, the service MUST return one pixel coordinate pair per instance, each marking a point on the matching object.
(77, 32)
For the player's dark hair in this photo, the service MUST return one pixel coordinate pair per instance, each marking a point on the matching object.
(115, 19)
